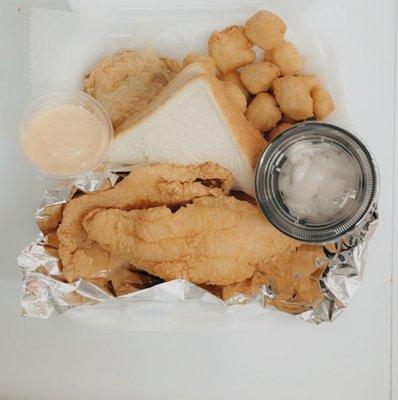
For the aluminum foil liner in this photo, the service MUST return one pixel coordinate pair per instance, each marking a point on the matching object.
(46, 294)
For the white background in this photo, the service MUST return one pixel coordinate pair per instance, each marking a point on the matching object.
(277, 358)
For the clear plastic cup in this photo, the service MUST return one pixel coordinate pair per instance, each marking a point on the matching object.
(67, 97)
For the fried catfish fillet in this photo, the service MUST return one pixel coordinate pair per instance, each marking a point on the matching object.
(126, 82)
(214, 240)
(146, 186)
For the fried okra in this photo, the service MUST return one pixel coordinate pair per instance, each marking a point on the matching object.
(258, 77)
(265, 29)
(293, 96)
(323, 103)
(231, 49)
(286, 57)
(263, 112)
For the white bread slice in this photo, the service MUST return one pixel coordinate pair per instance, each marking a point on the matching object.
(189, 72)
(192, 124)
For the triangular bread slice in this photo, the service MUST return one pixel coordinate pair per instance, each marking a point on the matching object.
(192, 124)
(189, 72)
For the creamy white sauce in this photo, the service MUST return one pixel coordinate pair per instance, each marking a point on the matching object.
(65, 140)
(317, 180)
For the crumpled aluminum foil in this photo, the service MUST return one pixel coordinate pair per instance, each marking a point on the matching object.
(45, 294)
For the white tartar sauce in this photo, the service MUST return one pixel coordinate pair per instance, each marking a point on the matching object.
(316, 180)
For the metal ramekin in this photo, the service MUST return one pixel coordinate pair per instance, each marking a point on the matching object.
(270, 199)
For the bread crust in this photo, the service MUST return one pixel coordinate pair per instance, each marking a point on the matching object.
(247, 137)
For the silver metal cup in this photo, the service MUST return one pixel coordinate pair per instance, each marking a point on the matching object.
(359, 163)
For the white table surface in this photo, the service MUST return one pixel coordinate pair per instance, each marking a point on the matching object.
(279, 357)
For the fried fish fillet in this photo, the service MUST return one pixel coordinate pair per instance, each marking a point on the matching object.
(50, 218)
(293, 276)
(214, 240)
(145, 186)
(127, 280)
(127, 81)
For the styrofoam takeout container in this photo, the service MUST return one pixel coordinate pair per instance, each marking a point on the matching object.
(99, 28)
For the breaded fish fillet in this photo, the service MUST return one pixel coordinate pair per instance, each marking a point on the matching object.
(214, 240)
(145, 186)
(127, 81)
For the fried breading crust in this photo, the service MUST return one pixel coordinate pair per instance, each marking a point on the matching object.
(286, 57)
(126, 82)
(214, 240)
(231, 49)
(145, 186)
(323, 102)
(293, 96)
(258, 77)
(265, 29)
(263, 112)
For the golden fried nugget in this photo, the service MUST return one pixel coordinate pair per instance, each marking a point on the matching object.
(323, 102)
(263, 112)
(173, 65)
(274, 132)
(126, 82)
(235, 95)
(234, 77)
(286, 57)
(258, 77)
(265, 29)
(293, 96)
(312, 81)
(207, 61)
(231, 49)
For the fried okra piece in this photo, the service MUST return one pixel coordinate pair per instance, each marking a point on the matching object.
(311, 80)
(258, 77)
(234, 77)
(286, 57)
(274, 132)
(293, 96)
(231, 49)
(263, 112)
(323, 102)
(235, 95)
(208, 61)
(265, 29)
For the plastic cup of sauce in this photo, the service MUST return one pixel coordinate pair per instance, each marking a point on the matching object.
(316, 182)
(65, 133)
